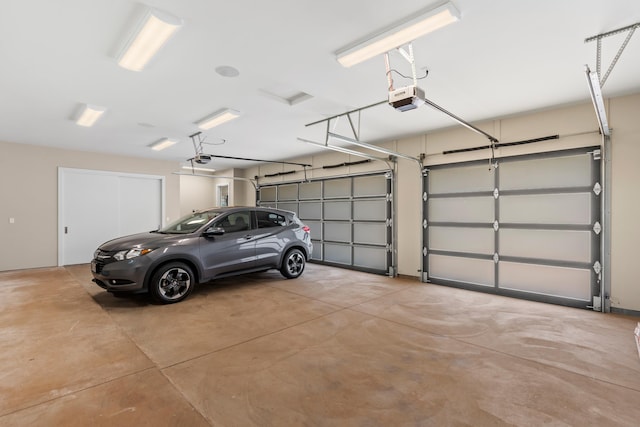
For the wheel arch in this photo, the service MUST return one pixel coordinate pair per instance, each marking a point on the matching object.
(194, 266)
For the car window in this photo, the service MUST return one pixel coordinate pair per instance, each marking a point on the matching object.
(237, 221)
(270, 219)
(189, 223)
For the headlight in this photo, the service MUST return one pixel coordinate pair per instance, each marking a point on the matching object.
(131, 253)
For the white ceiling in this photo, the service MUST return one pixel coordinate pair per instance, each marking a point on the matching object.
(504, 57)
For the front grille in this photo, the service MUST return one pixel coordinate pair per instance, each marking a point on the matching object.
(99, 267)
(103, 258)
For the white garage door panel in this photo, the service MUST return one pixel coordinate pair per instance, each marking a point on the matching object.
(546, 209)
(560, 172)
(310, 190)
(292, 207)
(471, 240)
(548, 280)
(561, 245)
(537, 229)
(337, 210)
(461, 179)
(340, 254)
(369, 257)
(288, 192)
(370, 186)
(309, 210)
(268, 194)
(370, 233)
(348, 217)
(337, 188)
(469, 270)
(461, 209)
(374, 210)
(337, 232)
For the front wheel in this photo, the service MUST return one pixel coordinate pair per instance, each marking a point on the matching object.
(172, 283)
(293, 264)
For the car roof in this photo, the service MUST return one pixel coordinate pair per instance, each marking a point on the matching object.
(231, 209)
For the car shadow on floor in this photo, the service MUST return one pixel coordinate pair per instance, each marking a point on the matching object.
(202, 290)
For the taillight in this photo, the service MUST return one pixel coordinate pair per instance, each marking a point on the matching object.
(306, 229)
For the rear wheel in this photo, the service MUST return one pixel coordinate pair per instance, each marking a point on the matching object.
(172, 283)
(293, 264)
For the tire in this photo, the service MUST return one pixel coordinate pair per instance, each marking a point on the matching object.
(172, 283)
(293, 264)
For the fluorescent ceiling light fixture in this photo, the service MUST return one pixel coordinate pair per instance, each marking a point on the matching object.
(398, 34)
(89, 114)
(155, 29)
(217, 118)
(163, 143)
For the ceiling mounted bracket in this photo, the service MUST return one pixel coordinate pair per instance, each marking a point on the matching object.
(630, 29)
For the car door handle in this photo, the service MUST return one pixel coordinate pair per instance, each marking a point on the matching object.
(248, 237)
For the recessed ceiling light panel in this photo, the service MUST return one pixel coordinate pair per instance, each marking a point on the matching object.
(398, 34)
(217, 118)
(89, 114)
(155, 29)
(163, 143)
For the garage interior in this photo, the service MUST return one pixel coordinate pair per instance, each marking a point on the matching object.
(474, 243)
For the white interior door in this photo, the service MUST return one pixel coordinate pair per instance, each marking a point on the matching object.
(96, 206)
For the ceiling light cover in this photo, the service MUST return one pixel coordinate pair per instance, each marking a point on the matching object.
(398, 34)
(155, 29)
(163, 143)
(217, 118)
(89, 115)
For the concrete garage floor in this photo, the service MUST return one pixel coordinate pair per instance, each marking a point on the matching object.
(334, 347)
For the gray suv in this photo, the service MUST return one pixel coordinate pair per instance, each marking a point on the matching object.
(202, 246)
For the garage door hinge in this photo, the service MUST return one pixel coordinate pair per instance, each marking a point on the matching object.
(597, 267)
(424, 224)
(496, 225)
(388, 175)
(496, 258)
(389, 198)
(388, 248)
(424, 251)
(388, 222)
(496, 194)
(596, 154)
(424, 196)
(425, 172)
(597, 189)
(597, 228)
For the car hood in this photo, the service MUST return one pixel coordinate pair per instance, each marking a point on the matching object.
(150, 239)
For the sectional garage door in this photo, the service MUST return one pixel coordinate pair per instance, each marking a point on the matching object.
(350, 218)
(530, 227)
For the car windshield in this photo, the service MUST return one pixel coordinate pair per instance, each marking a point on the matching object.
(189, 223)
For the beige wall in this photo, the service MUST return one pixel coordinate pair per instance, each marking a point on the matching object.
(624, 119)
(29, 194)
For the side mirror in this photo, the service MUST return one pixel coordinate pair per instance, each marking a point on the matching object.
(213, 231)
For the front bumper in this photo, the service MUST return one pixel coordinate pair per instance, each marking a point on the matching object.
(121, 276)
